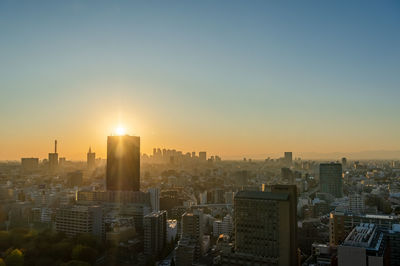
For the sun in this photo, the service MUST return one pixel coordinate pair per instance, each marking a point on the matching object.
(120, 131)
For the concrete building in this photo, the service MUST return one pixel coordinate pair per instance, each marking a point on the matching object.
(80, 219)
(155, 232)
(288, 158)
(29, 164)
(330, 178)
(393, 237)
(53, 158)
(357, 203)
(190, 246)
(341, 224)
(364, 246)
(91, 159)
(123, 163)
(203, 156)
(154, 199)
(227, 225)
(185, 252)
(264, 228)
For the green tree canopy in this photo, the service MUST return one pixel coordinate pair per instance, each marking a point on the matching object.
(84, 253)
(15, 258)
(76, 263)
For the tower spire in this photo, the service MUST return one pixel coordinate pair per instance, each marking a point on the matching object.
(55, 146)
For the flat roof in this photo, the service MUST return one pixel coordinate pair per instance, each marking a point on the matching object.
(262, 195)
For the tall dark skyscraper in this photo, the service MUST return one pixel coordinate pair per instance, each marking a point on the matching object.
(53, 158)
(288, 157)
(330, 179)
(123, 163)
(91, 159)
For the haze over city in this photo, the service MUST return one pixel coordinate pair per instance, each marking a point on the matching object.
(237, 79)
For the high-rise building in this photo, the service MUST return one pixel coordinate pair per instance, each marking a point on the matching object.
(291, 190)
(330, 179)
(74, 220)
(123, 163)
(53, 158)
(357, 204)
(227, 225)
(185, 252)
(344, 162)
(29, 164)
(91, 159)
(192, 233)
(288, 157)
(203, 156)
(155, 232)
(264, 228)
(154, 199)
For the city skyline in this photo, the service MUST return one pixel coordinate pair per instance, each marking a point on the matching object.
(235, 80)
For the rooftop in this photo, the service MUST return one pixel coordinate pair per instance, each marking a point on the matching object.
(262, 195)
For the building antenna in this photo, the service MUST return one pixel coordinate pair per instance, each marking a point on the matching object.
(55, 146)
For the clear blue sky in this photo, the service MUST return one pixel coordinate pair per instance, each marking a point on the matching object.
(231, 77)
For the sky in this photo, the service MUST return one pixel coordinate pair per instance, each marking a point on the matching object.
(234, 78)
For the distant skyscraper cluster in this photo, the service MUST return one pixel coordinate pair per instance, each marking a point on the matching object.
(176, 157)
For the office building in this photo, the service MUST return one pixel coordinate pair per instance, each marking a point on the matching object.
(154, 199)
(364, 246)
(91, 159)
(29, 164)
(123, 163)
(192, 232)
(265, 228)
(217, 228)
(330, 178)
(185, 252)
(288, 158)
(341, 224)
(393, 237)
(227, 225)
(344, 162)
(357, 204)
(53, 158)
(155, 232)
(203, 156)
(73, 220)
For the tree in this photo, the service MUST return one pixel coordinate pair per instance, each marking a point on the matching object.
(84, 253)
(15, 258)
(2, 263)
(4, 240)
(76, 263)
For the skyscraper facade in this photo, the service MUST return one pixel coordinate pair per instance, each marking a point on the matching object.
(330, 178)
(53, 158)
(123, 163)
(288, 157)
(264, 228)
(155, 232)
(203, 156)
(91, 159)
